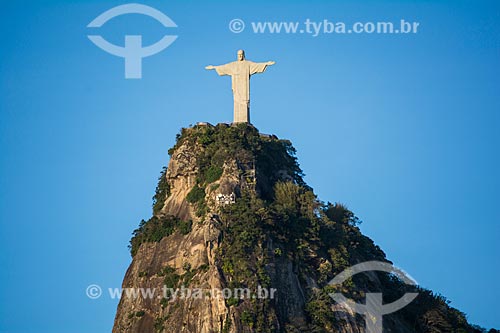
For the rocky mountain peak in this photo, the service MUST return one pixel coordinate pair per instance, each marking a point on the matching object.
(232, 213)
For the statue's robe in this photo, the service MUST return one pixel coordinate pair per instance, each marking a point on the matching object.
(240, 72)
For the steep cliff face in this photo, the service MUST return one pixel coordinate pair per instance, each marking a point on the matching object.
(232, 212)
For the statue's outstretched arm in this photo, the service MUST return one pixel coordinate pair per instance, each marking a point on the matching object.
(222, 69)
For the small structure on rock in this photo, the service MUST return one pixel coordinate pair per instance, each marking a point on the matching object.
(225, 199)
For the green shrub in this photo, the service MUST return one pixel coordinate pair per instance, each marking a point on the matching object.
(287, 196)
(341, 214)
(247, 318)
(197, 194)
(232, 301)
(186, 266)
(170, 277)
(162, 192)
(319, 310)
(213, 174)
(159, 324)
(157, 227)
(203, 268)
(185, 226)
(152, 230)
(202, 209)
(188, 276)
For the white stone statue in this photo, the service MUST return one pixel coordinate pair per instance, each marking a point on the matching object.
(240, 72)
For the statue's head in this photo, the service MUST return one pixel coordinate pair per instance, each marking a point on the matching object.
(241, 55)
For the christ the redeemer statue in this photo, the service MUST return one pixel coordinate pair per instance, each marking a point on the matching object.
(240, 72)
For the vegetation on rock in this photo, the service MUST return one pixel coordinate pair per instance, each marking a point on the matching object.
(162, 192)
(154, 229)
(281, 219)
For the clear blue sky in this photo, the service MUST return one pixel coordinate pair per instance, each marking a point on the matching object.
(404, 129)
